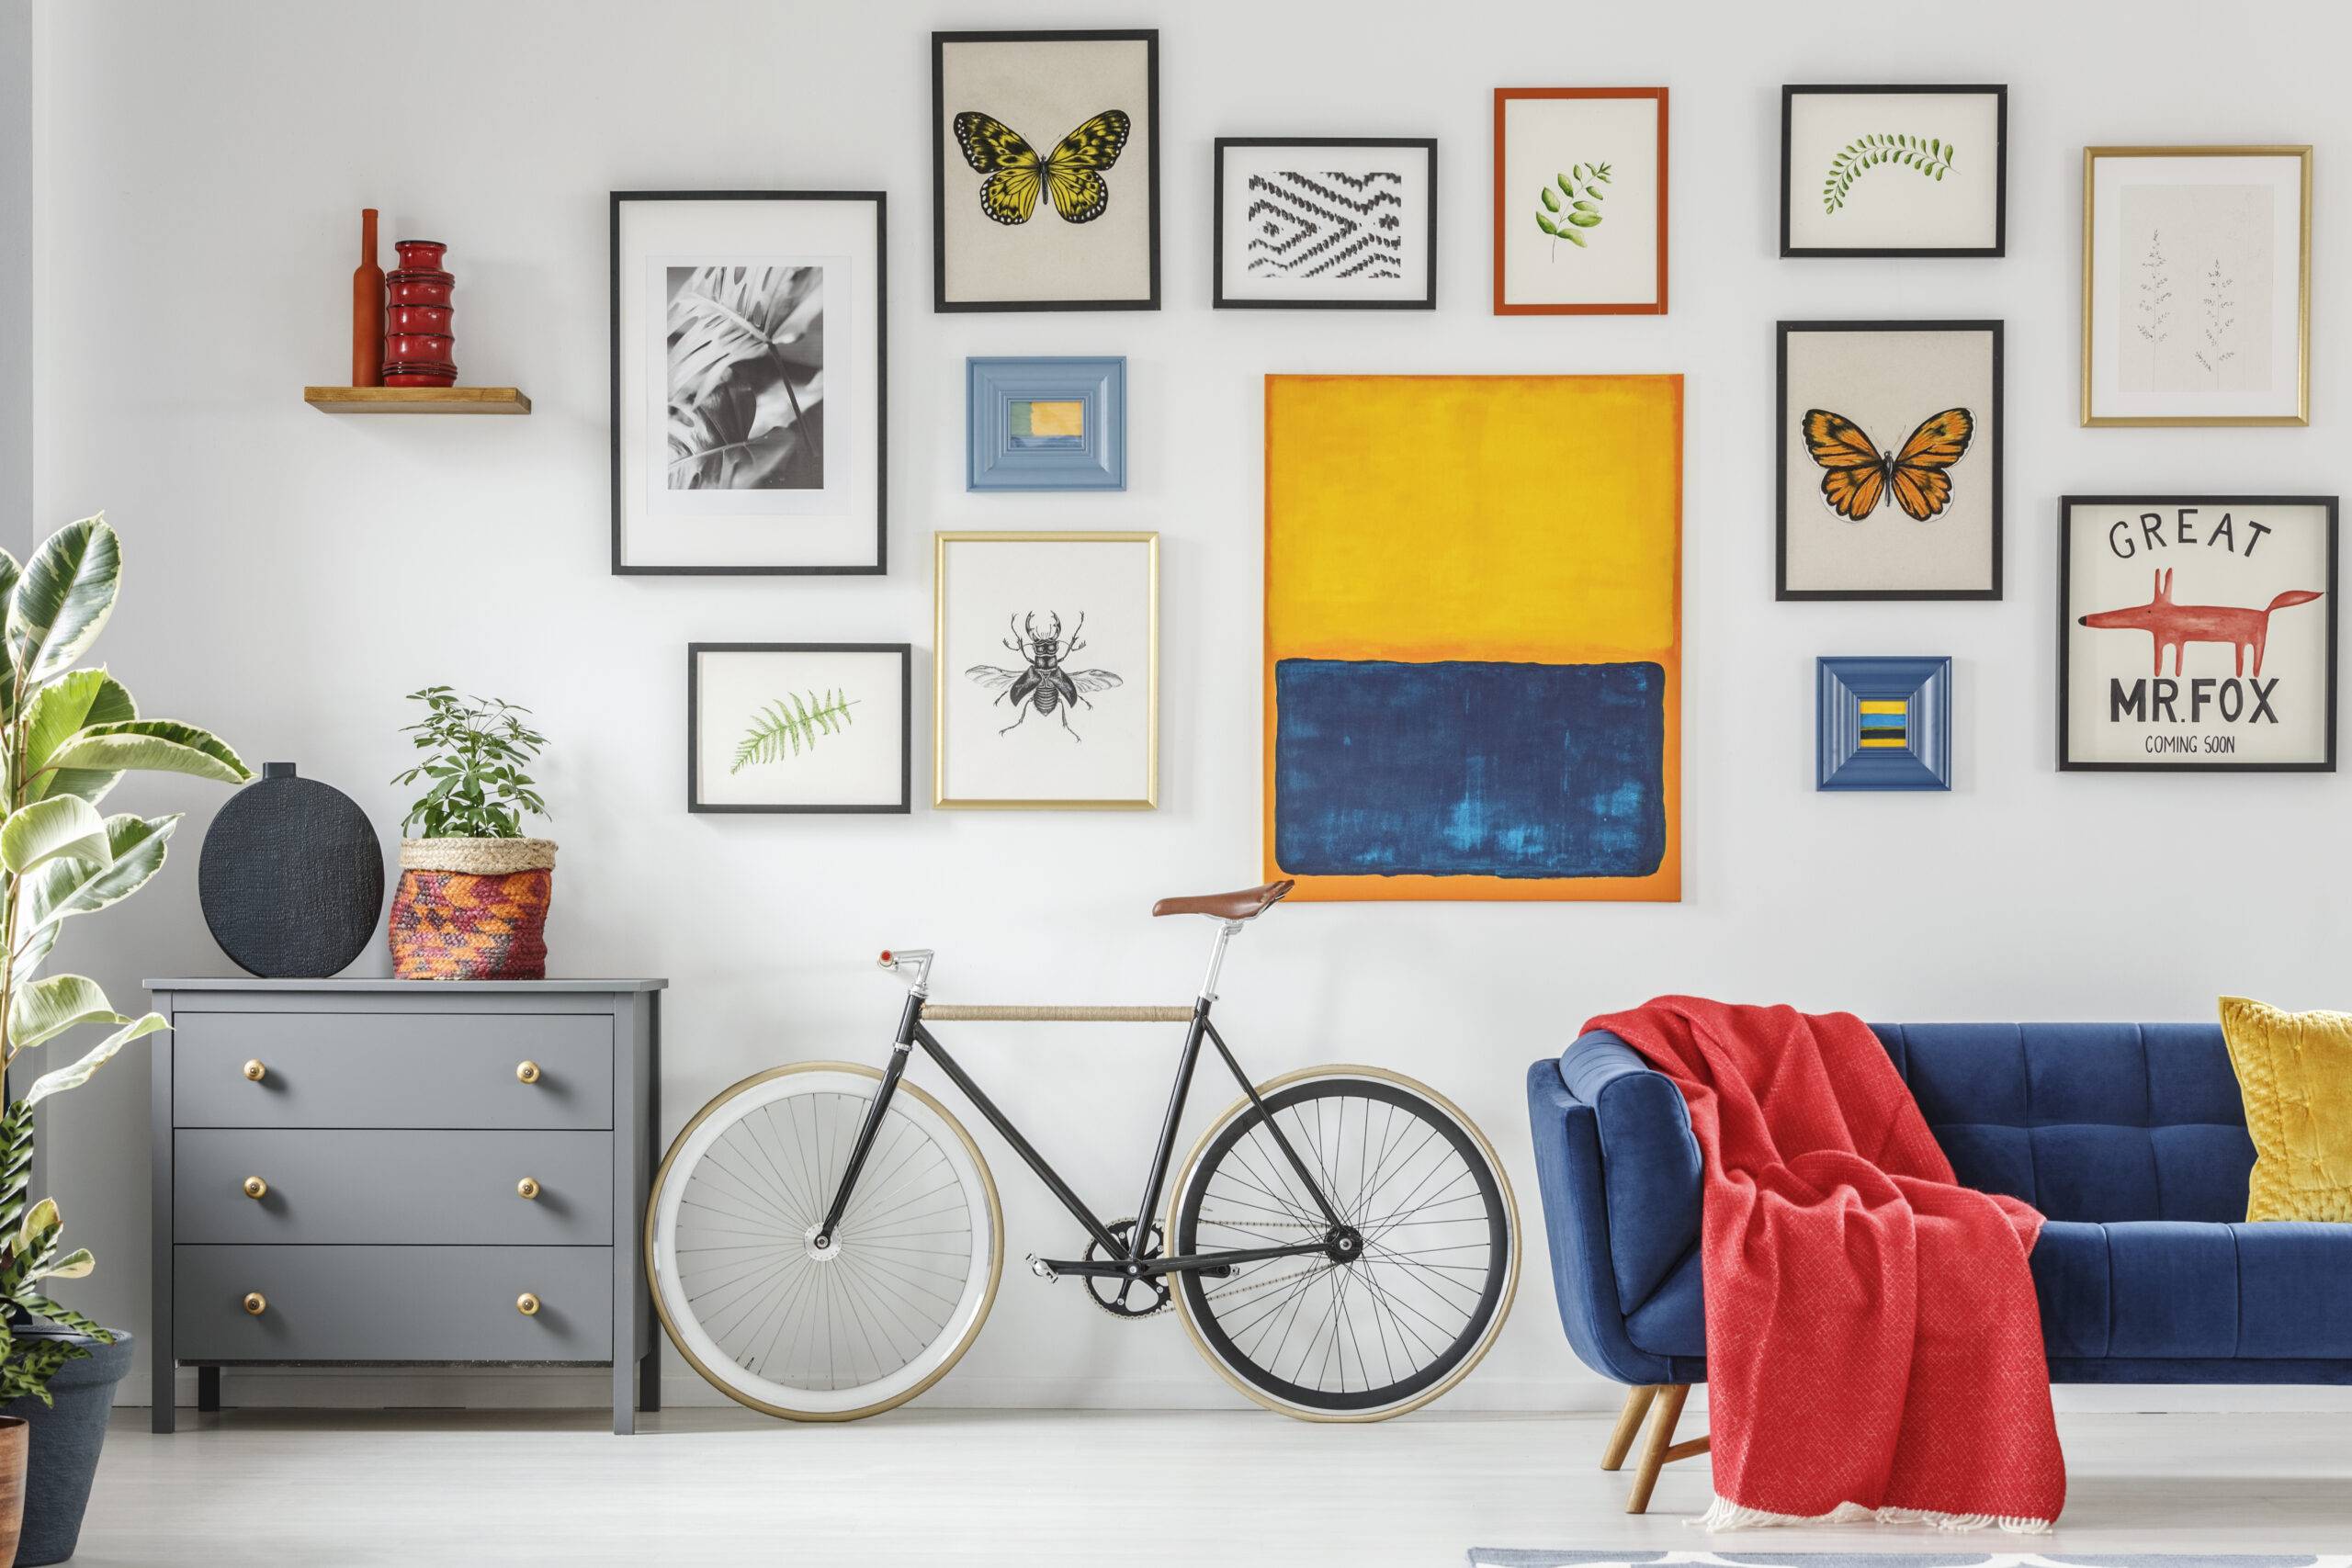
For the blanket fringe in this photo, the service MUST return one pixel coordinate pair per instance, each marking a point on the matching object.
(1725, 1515)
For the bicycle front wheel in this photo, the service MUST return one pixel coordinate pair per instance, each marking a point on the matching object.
(1416, 1283)
(865, 1322)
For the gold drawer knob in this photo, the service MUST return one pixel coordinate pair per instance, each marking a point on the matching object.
(527, 1072)
(255, 1302)
(526, 1188)
(256, 1071)
(256, 1188)
(528, 1305)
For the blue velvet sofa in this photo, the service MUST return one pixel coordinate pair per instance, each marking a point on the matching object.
(2131, 1137)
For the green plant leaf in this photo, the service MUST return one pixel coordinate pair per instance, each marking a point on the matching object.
(45, 1008)
(46, 830)
(795, 723)
(64, 889)
(152, 745)
(65, 1318)
(1546, 224)
(61, 602)
(1550, 199)
(79, 1073)
(75, 699)
(1584, 219)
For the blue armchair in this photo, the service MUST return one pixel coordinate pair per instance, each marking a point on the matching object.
(2131, 1137)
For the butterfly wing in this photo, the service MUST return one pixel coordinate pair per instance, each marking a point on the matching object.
(1072, 170)
(1853, 477)
(1009, 195)
(1921, 486)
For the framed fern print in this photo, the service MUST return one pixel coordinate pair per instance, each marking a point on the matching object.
(1580, 201)
(818, 727)
(748, 426)
(2197, 284)
(1894, 171)
(1046, 170)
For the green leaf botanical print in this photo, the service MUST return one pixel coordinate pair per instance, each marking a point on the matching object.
(792, 723)
(1928, 155)
(1572, 202)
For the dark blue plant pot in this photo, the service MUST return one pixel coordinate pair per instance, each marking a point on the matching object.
(66, 1438)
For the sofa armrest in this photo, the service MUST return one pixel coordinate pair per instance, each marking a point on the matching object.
(1576, 1222)
(1649, 1160)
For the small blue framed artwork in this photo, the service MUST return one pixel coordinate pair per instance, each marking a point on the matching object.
(1883, 723)
(1046, 424)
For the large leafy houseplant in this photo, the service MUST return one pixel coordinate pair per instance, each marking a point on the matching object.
(66, 737)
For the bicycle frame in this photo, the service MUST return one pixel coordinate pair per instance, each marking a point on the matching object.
(1120, 1259)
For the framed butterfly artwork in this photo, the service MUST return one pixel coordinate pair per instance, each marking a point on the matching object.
(1888, 444)
(1046, 170)
(748, 429)
(1330, 222)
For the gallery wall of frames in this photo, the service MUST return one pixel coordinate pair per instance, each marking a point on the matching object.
(1609, 510)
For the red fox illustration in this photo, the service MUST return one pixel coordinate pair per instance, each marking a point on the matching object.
(2175, 626)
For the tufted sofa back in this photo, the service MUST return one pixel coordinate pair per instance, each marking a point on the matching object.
(2091, 1122)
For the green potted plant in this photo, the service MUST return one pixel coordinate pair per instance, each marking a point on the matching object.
(67, 735)
(472, 902)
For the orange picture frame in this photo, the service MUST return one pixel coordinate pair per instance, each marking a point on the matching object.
(1505, 210)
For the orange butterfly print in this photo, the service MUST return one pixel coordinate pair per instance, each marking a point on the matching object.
(1855, 475)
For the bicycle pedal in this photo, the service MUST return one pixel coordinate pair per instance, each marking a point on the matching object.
(1043, 1268)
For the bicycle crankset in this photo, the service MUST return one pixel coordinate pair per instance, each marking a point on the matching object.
(1128, 1298)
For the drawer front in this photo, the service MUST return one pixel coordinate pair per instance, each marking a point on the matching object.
(392, 1303)
(381, 1069)
(406, 1188)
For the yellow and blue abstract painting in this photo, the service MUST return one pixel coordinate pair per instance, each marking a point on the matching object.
(1473, 636)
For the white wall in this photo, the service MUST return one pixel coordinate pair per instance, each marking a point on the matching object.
(291, 574)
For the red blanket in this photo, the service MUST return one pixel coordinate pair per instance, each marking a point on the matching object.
(1873, 1339)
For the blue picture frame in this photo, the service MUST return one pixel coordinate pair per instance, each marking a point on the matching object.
(1001, 450)
(1883, 723)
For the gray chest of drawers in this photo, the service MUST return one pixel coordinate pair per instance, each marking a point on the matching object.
(357, 1171)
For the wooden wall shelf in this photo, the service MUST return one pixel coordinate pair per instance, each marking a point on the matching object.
(417, 400)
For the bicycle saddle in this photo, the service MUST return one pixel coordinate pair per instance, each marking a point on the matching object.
(1246, 905)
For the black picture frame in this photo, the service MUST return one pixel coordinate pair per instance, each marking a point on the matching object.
(621, 568)
(697, 806)
(1781, 589)
(2066, 504)
(2000, 91)
(1149, 38)
(1217, 298)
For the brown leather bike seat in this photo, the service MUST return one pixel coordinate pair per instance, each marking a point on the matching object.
(1246, 905)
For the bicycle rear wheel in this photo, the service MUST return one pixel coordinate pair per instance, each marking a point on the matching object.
(1371, 1330)
(855, 1327)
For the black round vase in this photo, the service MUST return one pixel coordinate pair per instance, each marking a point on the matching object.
(65, 1439)
(291, 878)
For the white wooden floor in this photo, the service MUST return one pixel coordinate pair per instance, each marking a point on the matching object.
(345, 1490)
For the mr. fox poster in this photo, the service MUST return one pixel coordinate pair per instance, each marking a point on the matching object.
(2196, 632)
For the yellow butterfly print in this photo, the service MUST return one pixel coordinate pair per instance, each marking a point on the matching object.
(1071, 172)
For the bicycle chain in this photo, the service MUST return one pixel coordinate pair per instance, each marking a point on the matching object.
(1233, 1291)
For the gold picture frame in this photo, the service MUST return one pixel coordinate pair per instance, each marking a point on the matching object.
(2300, 413)
(947, 681)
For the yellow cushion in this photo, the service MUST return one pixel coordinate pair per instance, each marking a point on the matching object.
(2295, 1072)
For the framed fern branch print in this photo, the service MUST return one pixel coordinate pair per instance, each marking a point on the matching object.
(1894, 171)
(820, 727)
(1580, 201)
(2197, 284)
(748, 423)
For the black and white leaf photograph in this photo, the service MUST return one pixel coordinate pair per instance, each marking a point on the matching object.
(746, 378)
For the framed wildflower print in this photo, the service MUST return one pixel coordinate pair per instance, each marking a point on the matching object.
(1894, 171)
(747, 398)
(2197, 633)
(1335, 221)
(1580, 201)
(1045, 171)
(1046, 673)
(2197, 284)
(1888, 440)
(1046, 424)
(820, 727)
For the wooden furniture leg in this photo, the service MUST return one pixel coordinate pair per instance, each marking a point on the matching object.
(1656, 1452)
(1629, 1424)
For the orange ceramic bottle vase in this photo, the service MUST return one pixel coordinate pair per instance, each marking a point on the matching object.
(368, 308)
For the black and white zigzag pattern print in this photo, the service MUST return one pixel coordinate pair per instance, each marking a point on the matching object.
(1326, 225)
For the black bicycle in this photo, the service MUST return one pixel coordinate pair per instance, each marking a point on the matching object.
(825, 1239)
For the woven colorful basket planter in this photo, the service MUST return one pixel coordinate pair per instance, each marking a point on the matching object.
(473, 908)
